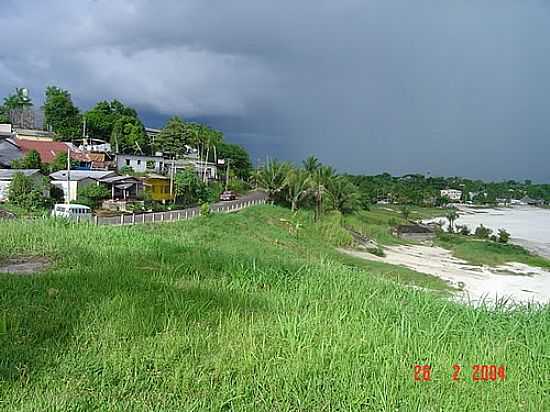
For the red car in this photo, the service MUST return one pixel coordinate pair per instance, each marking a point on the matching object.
(228, 195)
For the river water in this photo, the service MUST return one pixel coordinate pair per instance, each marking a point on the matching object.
(528, 226)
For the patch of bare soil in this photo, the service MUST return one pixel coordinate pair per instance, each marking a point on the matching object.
(24, 265)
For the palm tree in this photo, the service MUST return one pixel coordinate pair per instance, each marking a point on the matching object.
(18, 100)
(271, 177)
(452, 216)
(297, 184)
(319, 182)
(343, 194)
(311, 164)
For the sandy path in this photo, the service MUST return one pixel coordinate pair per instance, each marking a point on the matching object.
(514, 281)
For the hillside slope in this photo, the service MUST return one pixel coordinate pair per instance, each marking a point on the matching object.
(249, 311)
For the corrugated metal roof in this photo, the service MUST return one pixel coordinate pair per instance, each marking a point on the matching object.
(7, 174)
(82, 174)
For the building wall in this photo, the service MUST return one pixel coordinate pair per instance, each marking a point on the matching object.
(4, 187)
(74, 186)
(140, 165)
(159, 189)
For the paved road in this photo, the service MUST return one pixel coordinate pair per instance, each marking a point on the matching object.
(250, 199)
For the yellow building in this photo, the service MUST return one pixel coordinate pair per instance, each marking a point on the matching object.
(158, 187)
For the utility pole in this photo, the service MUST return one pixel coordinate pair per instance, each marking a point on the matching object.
(68, 199)
(227, 174)
(172, 169)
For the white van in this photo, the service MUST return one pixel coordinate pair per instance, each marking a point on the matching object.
(71, 211)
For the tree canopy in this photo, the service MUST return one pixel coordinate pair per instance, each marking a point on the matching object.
(101, 119)
(61, 114)
(236, 158)
(173, 137)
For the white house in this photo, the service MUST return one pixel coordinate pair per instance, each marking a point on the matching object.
(452, 194)
(77, 179)
(6, 177)
(140, 164)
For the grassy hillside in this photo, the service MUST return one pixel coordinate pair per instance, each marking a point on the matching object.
(240, 312)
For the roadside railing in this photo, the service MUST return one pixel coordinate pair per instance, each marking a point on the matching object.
(174, 215)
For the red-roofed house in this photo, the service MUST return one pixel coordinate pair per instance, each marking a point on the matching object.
(49, 150)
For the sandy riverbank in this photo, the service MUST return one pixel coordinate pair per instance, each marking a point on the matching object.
(514, 282)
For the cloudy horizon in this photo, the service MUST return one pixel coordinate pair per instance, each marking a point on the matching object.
(454, 89)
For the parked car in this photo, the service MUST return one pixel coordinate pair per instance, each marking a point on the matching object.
(228, 195)
(72, 211)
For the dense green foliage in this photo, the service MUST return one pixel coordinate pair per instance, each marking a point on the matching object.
(92, 195)
(61, 114)
(421, 190)
(15, 101)
(189, 188)
(101, 119)
(173, 138)
(31, 160)
(27, 194)
(236, 159)
(156, 318)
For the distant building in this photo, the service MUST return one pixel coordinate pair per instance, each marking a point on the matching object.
(452, 194)
(6, 177)
(34, 135)
(531, 202)
(141, 164)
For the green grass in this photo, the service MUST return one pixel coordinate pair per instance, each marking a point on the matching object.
(240, 312)
(485, 252)
(377, 222)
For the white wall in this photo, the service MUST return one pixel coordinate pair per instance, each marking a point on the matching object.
(74, 186)
(4, 186)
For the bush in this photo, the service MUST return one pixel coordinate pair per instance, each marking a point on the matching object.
(23, 192)
(463, 230)
(493, 238)
(482, 232)
(393, 221)
(503, 236)
(205, 209)
(92, 195)
(377, 251)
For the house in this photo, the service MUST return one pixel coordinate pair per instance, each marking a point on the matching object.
(140, 164)
(123, 187)
(77, 179)
(6, 177)
(34, 135)
(452, 194)
(208, 169)
(158, 187)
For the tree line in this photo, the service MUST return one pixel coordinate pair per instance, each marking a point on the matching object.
(417, 189)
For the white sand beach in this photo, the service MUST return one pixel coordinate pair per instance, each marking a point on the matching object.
(515, 282)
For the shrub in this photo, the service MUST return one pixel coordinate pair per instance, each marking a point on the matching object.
(482, 232)
(393, 221)
(493, 238)
(23, 192)
(377, 251)
(503, 236)
(463, 230)
(205, 209)
(92, 195)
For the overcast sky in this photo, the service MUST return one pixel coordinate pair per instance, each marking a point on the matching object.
(448, 87)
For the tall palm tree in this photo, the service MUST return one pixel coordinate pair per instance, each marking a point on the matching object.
(311, 164)
(297, 184)
(271, 177)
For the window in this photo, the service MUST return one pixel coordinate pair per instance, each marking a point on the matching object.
(127, 162)
(139, 162)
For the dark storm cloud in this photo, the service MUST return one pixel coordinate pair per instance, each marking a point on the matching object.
(454, 88)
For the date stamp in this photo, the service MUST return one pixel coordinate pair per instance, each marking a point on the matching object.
(477, 373)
